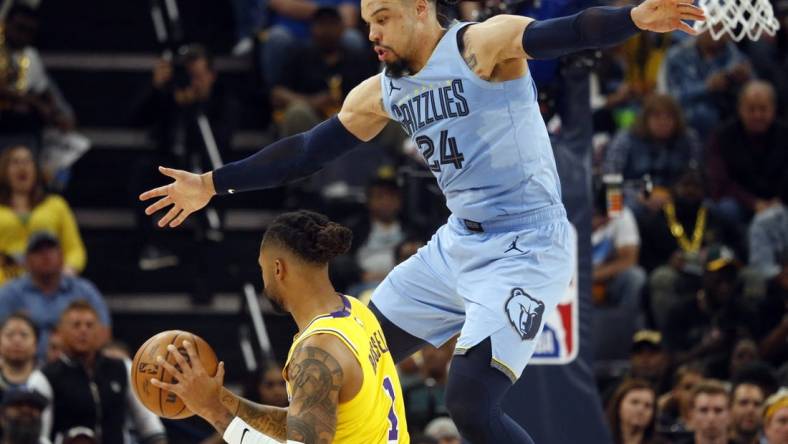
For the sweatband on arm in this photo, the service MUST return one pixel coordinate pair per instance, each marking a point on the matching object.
(239, 432)
(596, 27)
(286, 160)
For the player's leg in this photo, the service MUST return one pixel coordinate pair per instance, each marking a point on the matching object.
(474, 394)
(508, 295)
(401, 343)
(417, 302)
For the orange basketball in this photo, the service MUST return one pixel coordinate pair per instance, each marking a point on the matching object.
(144, 368)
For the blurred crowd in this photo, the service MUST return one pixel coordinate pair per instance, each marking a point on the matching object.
(690, 222)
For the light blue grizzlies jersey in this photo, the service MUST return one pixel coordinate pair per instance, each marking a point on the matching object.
(486, 143)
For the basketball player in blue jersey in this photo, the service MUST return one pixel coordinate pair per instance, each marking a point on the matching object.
(506, 255)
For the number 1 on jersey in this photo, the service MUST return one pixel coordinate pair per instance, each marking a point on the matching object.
(394, 430)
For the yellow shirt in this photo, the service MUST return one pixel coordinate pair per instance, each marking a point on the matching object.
(52, 215)
(376, 415)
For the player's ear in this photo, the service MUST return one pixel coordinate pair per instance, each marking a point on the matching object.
(279, 269)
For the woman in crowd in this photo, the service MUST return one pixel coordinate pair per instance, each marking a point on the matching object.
(26, 208)
(18, 344)
(631, 413)
(659, 145)
(775, 418)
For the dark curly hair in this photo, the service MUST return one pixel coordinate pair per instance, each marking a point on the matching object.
(311, 236)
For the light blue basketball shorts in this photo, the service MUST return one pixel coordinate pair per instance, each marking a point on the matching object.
(501, 283)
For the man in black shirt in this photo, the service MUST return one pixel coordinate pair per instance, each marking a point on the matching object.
(319, 76)
(92, 390)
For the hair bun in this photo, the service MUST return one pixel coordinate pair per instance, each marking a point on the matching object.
(333, 240)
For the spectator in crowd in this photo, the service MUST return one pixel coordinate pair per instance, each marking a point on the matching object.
(377, 234)
(21, 416)
(768, 237)
(673, 240)
(91, 389)
(54, 348)
(650, 361)
(319, 75)
(747, 157)
(659, 145)
(45, 291)
(706, 327)
(18, 337)
(775, 418)
(773, 321)
(746, 404)
(266, 386)
(618, 280)
(743, 353)
(703, 74)
(631, 413)
(710, 414)
(425, 397)
(29, 100)
(443, 431)
(673, 407)
(182, 93)
(290, 29)
(26, 208)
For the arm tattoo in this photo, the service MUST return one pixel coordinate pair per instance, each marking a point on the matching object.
(470, 59)
(221, 423)
(266, 419)
(316, 378)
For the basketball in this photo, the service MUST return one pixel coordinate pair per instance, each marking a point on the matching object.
(144, 368)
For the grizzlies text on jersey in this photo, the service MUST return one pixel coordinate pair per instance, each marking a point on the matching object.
(485, 142)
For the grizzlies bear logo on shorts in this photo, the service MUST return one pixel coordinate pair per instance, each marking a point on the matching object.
(525, 313)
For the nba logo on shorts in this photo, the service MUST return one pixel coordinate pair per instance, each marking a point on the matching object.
(559, 342)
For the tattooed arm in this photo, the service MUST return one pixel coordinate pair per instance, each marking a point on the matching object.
(267, 419)
(322, 373)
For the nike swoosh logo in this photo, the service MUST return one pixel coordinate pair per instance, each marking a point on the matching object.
(242, 435)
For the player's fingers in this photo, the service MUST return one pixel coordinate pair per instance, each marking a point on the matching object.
(175, 174)
(164, 386)
(158, 205)
(692, 14)
(169, 368)
(172, 214)
(194, 359)
(688, 29)
(220, 373)
(689, 7)
(181, 217)
(156, 192)
(183, 364)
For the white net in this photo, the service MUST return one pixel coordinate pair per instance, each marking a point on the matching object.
(738, 18)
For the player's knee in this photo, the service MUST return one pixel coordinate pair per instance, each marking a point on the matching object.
(469, 410)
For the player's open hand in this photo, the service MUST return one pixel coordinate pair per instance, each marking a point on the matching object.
(667, 15)
(199, 391)
(188, 193)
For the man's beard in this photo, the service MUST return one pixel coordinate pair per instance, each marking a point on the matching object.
(277, 306)
(397, 68)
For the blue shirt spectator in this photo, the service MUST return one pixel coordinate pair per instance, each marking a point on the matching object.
(44, 292)
(299, 27)
(704, 75)
(659, 145)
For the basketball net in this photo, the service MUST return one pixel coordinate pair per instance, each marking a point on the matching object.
(738, 18)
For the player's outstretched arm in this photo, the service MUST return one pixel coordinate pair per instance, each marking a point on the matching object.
(361, 118)
(512, 37)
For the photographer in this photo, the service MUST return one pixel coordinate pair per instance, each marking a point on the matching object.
(181, 92)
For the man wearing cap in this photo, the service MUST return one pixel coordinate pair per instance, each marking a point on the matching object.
(649, 360)
(705, 328)
(20, 416)
(45, 291)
